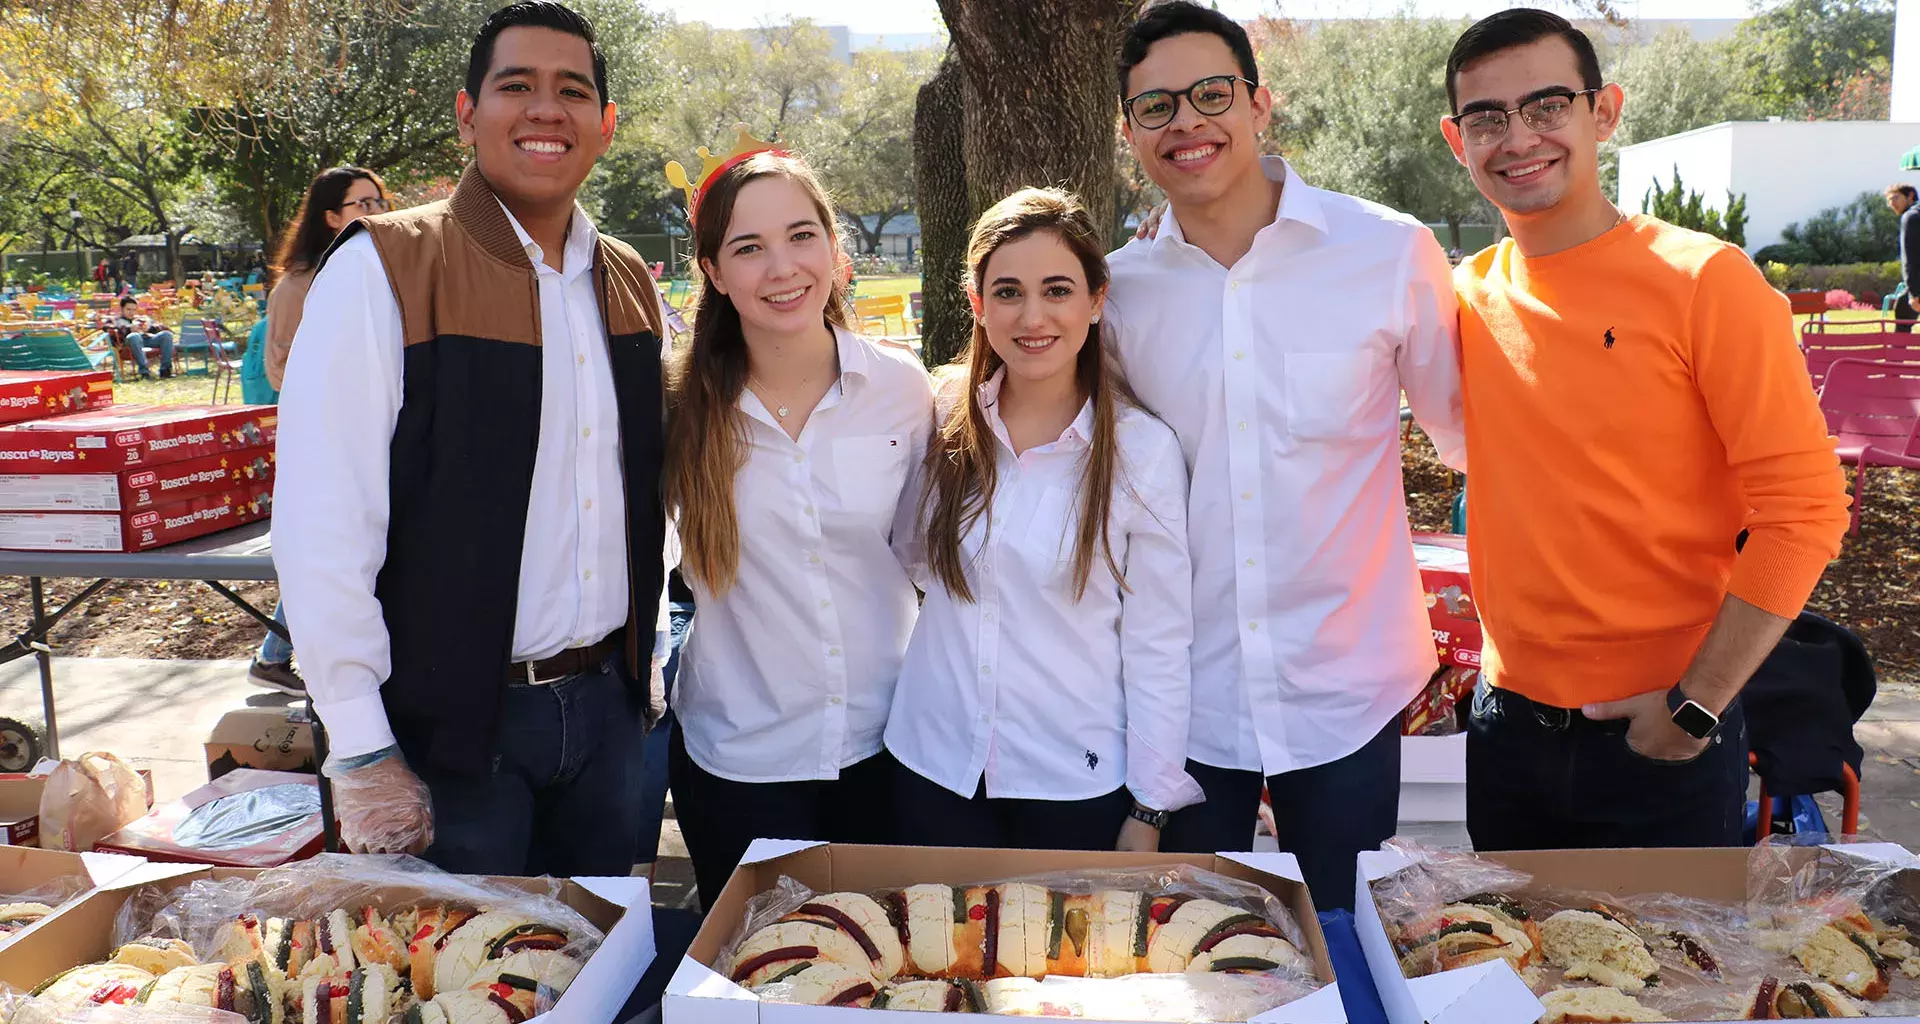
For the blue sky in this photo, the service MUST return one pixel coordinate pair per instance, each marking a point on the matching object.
(917, 16)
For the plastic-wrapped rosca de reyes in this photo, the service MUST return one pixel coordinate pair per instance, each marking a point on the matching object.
(334, 940)
(1226, 950)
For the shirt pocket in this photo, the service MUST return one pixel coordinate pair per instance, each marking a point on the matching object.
(1329, 394)
(1052, 531)
(869, 472)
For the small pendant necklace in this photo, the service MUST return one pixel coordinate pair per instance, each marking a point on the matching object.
(780, 404)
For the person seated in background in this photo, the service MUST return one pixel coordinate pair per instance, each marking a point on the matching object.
(137, 331)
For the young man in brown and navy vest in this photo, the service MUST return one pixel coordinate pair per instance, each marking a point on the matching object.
(468, 519)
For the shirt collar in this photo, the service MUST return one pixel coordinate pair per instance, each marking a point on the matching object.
(581, 238)
(853, 363)
(1079, 433)
(1299, 201)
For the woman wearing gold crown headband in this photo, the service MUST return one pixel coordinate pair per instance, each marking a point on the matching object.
(1043, 701)
(790, 441)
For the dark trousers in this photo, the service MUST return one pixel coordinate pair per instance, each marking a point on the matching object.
(929, 814)
(1541, 778)
(1325, 814)
(719, 818)
(1903, 310)
(563, 795)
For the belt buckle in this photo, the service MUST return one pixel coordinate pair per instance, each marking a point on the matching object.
(1556, 719)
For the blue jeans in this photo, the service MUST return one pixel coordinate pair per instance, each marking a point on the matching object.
(275, 649)
(653, 789)
(161, 339)
(1544, 778)
(563, 795)
(1325, 814)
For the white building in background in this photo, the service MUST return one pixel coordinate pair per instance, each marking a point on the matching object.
(1788, 170)
(1906, 62)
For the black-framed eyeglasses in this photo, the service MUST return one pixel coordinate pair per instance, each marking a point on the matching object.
(369, 205)
(1156, 108)
(1543, 113)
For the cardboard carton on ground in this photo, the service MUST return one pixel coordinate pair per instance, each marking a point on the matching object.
(37, 394)
(20, 802)
(274, 738)
(136, 531)
(251, 797)
(30, 874)
(701, 994)
(130, 490)
(1492, 993)
(82, 933)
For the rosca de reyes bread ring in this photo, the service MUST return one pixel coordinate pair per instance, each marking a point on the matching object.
(471, 945)
(93, 985)
(467, 1007)
(780, 945)
(820, 983)
(1188, 929)
(865, 921)
(1247, 952)
(375, 941)
(155, 956)
(434, 927)
(1117, 918)
(520, 978)
(931, 926)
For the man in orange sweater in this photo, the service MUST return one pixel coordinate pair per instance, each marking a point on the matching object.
(1654, 491)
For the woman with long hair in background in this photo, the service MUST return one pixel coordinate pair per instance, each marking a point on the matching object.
(337, 197)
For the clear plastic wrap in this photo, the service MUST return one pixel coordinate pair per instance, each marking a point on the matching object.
(1840, 907)
(1414, 901)
(476, 929)
(1702, 950)
(1199, 986)
(18, 910)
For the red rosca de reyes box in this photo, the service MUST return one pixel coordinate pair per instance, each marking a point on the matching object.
(130, 437)
(1449, 595)
(130, 490)
(36, 394)
(135, 531)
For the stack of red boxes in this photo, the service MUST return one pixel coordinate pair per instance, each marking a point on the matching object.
(35, 394)
(134, 477)
(1456, 634)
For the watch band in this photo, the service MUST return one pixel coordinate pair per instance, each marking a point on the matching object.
(1691, 716)
(1158, 819)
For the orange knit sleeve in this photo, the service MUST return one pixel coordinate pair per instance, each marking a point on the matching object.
(1749, 369)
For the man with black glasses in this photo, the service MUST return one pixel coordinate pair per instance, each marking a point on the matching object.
(1274, 326)
(1654, 491)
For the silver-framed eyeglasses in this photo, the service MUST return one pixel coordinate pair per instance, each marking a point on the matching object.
(1543, 113)
(369, 205)
(1156, 108)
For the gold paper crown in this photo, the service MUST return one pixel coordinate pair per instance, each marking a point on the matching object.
(744, 146)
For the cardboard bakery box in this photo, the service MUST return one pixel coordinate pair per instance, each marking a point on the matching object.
(1492, 993)
(701, 993)
(273, 737)
(246, 818)
(20, 808)
(82, 933)
(54, 878)
(130, 490)
(136, 531)
(131, 436)
(36, 394)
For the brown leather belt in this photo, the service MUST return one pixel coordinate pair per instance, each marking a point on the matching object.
(571, 662)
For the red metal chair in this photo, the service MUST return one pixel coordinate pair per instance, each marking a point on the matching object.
(1873, 408)
(1849, 800)
(1824, 348)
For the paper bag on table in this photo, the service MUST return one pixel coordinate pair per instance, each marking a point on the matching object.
(87, 799)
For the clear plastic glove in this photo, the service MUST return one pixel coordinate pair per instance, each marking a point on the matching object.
(383, 807)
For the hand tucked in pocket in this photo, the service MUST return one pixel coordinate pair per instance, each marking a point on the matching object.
(1650, 729)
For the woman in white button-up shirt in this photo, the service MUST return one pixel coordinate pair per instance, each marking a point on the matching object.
(1043, 703)
(789, 446)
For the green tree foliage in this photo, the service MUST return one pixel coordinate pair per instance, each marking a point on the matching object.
(1865, 230)
(1801, 54)
(1686, 208)
(1357, 107)
(1674, 83)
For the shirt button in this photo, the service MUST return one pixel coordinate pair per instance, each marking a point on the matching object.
(1253, 627)
(587, 575)
(586, 431)
(1233, 286)
(581, 358)
(587, 504)
(835, 701)
(833, 652)
(799, 458)
(1243, 423)
(1239, 355)
(1246, 495)
(808, 510)
(986, 670)
(1249, 563)
(813, 559)
(826, 603)
(986, 616)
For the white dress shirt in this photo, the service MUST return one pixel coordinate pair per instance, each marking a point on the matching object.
(789, 674)
(1282, 377)
(1047, 697)
(337, 417)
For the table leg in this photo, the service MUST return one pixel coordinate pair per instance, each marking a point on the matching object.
(262, 617)
(40, 626)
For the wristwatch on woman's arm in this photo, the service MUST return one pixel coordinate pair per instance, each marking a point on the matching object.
(1147, 815)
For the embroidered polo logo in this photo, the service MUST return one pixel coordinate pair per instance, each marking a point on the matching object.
(1093, 760)
(1609, 337)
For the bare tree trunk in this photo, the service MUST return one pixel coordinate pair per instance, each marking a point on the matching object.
(940, 183)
